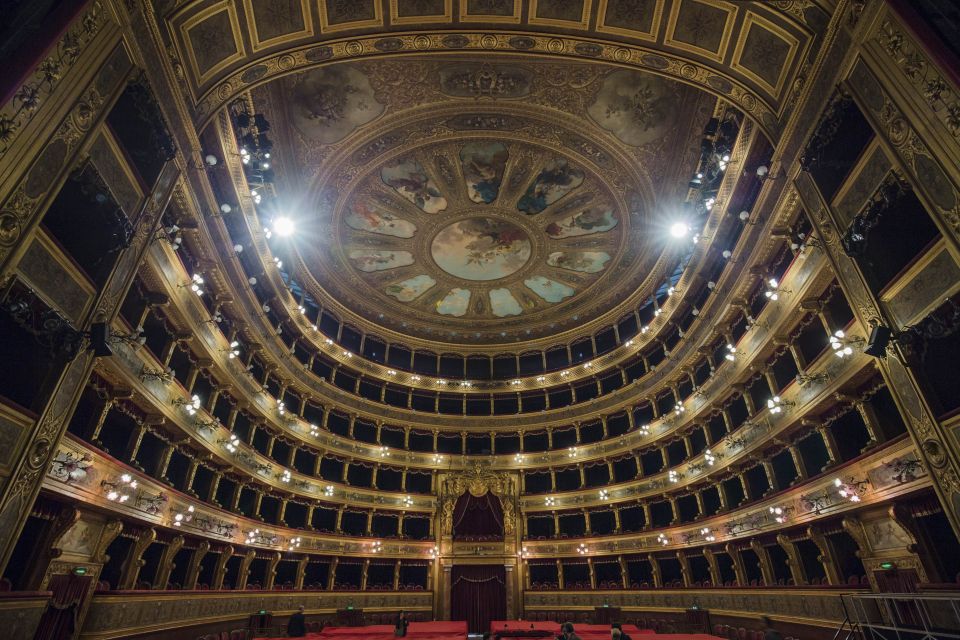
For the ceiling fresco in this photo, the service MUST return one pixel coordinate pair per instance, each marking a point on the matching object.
(464, 199)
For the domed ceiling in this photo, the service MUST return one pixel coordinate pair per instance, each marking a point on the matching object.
(481, 202)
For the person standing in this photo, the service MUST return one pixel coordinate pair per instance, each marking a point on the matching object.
(297, 624)
(769, 633)
(400, 629)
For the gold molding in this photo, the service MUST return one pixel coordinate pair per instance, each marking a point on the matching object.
(720, 54)
(655, 23)
(375, 21)
(445, 17)
(583, 23)
(187, 42)
(750, 20)
(466, 16)
(257, 44)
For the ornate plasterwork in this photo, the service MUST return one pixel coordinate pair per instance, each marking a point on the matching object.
(460, 141)
(479, 481)
(48, 74)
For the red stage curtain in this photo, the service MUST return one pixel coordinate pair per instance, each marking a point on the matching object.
(60, 618)
(478, 595)
(478, 518)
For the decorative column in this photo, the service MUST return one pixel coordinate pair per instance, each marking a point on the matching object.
(332, 573)
(190, 477)
(220, 569)
(592, 573)
(244, 574)
(301, 573)
(685, 568)
(830, 444)
(871, 422)
(130, 570)
(793, 559)
(826, 557)
(715, 578)
(396, 575)
(747, 497)
(738, 569)
(798, 464)
(214, 486)
(193, 567)
(271, 575)
(167, 566)
(655, 571)
(766, 568)
(164, 464)
(722, 495)
(771, 476)
(624, 572)
(560, 582)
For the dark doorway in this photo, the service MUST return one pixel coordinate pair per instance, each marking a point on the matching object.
(478, 594)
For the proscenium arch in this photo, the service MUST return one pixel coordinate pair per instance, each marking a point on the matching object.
(620, 55)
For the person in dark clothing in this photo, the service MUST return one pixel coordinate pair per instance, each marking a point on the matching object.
(618, 627)
(769, 633)
(400, 629)
(567, 632)
(297, 625)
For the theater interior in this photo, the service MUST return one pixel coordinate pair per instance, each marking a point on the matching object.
(498, 313)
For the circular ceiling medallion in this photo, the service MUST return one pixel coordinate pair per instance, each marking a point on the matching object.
(481, 248)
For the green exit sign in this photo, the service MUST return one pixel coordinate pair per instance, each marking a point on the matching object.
(79, 571)
(887, 565)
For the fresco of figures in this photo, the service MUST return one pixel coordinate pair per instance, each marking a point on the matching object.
(378, 260)
(454, 303)
(590, 220)
(549, 290)
(483, 164)
(408, 178)
(585, 261)
(555, 180)
(364, 217)
(503, 304)
(327, 104)
(481, 248)
(411, 288)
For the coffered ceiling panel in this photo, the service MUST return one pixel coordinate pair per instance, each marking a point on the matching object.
(747, 53)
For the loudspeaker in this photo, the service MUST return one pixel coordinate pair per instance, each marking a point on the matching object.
(878, 341)
(99, 334)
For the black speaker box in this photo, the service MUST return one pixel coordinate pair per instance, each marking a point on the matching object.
(878, 341)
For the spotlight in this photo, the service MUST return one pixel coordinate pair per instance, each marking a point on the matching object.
(283, 226)
(225, 208)
(211, 160)
(679, 229)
